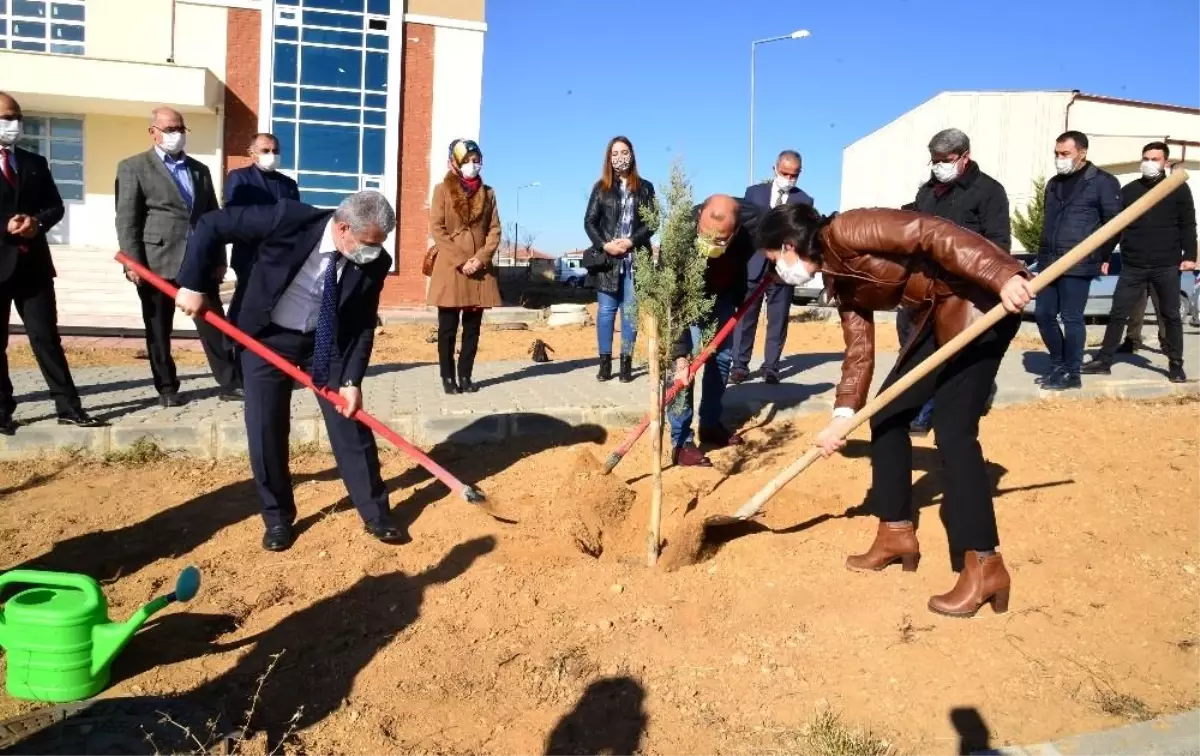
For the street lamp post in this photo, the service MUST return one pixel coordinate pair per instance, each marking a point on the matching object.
(517, 219)
(798, 34)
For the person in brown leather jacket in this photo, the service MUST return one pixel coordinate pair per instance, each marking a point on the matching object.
(878, 260)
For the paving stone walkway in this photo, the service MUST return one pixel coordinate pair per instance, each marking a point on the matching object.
(514, 398)
(1177, 735)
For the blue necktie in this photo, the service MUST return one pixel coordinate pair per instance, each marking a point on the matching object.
(326, 324)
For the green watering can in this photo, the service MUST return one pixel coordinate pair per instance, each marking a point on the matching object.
(57, 635)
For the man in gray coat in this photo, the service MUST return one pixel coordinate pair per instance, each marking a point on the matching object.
(161, 193)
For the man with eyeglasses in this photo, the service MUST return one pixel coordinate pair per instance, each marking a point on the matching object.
(958, 191)
(259, 183)
(161, 193)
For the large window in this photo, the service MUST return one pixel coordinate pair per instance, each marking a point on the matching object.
(55, 26)
(329, 94)
(60, 141)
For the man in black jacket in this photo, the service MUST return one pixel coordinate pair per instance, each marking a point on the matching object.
(1154, 248)
(957, 191)
(722, 237)
(29, 207)
(1079, 200)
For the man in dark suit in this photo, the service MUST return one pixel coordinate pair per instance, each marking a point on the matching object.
(782, 190)
(312, 296)
(260, 183)
(161, 193)
(29, 207)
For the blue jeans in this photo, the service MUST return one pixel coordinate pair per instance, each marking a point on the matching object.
(606, 317)
(1065, 299)
(716, 375)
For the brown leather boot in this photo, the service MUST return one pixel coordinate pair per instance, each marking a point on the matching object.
(982, 579)
(894, 542)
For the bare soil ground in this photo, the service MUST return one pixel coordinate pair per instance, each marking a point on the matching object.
(481, 637)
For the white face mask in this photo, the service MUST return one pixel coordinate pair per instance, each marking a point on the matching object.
(1151, 169)
(1064, 166)
(945, 172)
(268, 161)
(10, 131)
(173, 142)
(783, 183)
(470, 170)
(364, 254)
(792, 274)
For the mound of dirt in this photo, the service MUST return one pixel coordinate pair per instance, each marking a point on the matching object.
(588, 504)
(683, 545)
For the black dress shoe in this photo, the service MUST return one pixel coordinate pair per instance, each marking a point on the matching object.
(278, 538)
(1176, 374)
(771, 377)
(7, 426)
(466, 387)
(1096, 367)
(385, 531)
(232, 395)
(718, 436)
(1128, 347)
(1053, 375)
(80, 419)
(449, 386)
(171, 400)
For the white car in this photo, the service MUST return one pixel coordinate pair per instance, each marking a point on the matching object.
(812, 293)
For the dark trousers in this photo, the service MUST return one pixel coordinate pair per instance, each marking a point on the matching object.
(779, 302)
(1065, 299)
(158, 314)
(39, 312)
(712, 383)
(1131, 285)
(1137, 318)
(960, 388)
(268, 427)
(448, 319)
(904, 330)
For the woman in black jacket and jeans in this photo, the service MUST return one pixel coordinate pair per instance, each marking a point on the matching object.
(615, 227)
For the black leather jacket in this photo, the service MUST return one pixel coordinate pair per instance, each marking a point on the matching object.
(601, 221)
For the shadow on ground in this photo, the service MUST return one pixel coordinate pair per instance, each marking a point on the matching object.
(610, 717)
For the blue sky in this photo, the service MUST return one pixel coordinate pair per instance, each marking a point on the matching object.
(561, 77)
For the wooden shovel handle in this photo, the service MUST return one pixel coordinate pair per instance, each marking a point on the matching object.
(956, 344)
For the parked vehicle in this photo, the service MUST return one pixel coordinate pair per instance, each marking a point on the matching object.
(570, 272)
(1100, 295)
(812, 293)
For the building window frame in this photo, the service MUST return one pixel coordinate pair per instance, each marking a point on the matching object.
(327, 104)
(47, 26)
(44, 142)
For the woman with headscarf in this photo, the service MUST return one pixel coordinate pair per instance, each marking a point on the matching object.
(465, 226)
(878, 260)
(614, 225)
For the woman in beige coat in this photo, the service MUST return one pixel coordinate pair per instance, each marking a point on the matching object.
(465, 226)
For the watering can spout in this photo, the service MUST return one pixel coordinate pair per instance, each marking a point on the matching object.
(109, 639)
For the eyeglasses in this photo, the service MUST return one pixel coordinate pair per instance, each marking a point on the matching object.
(173, 129)
(268, 151)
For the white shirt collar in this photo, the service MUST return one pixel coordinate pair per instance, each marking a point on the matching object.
(327, 244)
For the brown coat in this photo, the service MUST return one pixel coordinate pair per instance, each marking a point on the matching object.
(877, 259)
(463, 228)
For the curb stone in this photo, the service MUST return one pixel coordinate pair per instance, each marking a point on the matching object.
(226, 437)
(1177, 735)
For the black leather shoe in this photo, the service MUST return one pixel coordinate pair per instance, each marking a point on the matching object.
(386, 532)
(466, 387)
(80, 419)
(1128, 347)
(278, 538)
(171, 400)
(7, 426)
(718, 436)
(626, 369)
(1096, 367)
(738, 375)
(449, 386)
(1176, 374)
(1053, 375)
(232, 395)
(605, 373)
(1062, 382)
(771, 377)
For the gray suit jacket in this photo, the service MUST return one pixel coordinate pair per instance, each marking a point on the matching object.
(153, 222)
